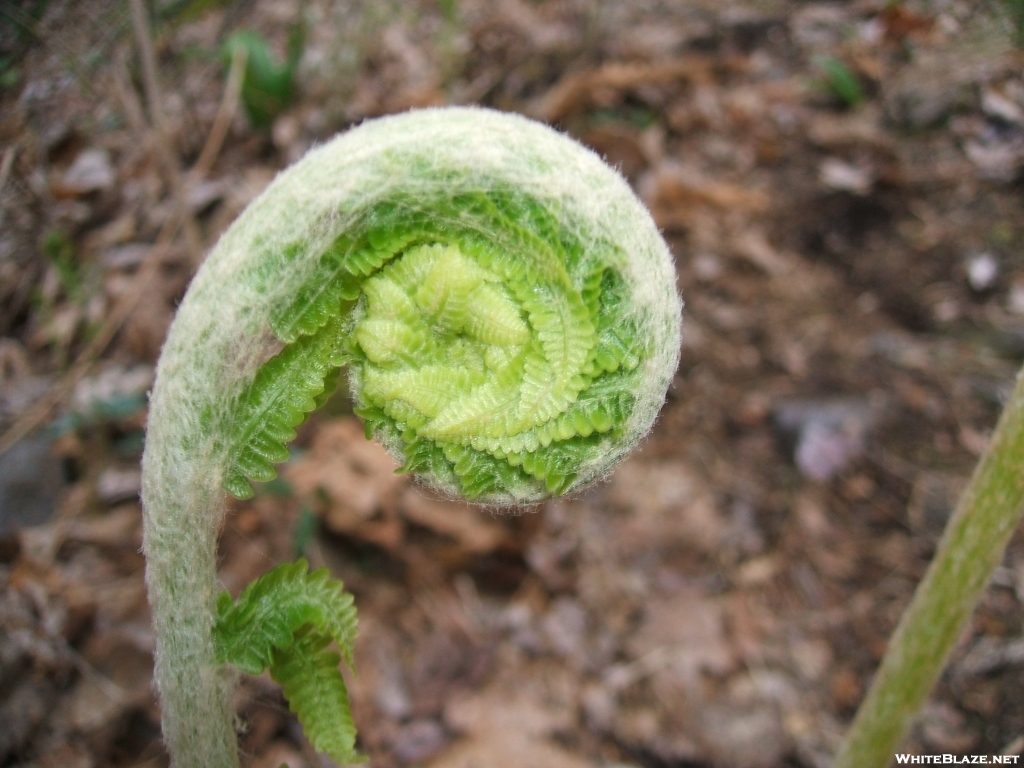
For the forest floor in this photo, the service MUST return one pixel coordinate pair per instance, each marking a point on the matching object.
(841, 186)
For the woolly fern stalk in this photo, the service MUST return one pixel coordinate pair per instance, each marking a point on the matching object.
(972, 546)
(509, 315)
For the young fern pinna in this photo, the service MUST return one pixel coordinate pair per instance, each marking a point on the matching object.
(508, 315)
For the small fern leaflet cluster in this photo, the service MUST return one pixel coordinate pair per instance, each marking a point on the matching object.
(286, 621)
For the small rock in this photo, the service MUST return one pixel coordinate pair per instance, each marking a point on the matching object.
(996, 105)
(126, 256)
(1015, 297)
(753, 738)
(932, 501)
(92, 171)
(566, 626)
(419, 740)
(30, 481)
(707, 267)
(203, 195)
(830, 434)
(982, 271)
(836, 174)
(115, 386)
(825, 450)
(115, 485)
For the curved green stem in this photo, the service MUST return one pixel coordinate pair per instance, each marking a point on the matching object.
(195, 692)
(971, 548)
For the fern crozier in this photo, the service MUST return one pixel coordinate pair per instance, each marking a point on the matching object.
(506, 306)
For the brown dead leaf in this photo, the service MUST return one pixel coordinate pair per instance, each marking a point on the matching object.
(675, 194)
(357, 480)
(752, 245)
(575, 93)
(683, 635)
(119, 527)
(669, 507)
(468, 525)
(92, 171)
(119, 231)
(280, 754)
(445, 663)
(619, 146)
(146, 327)
(854, 130)
(900, 23)
(510, 723)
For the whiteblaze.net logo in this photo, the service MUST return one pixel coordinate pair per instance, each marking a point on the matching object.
(903, 759)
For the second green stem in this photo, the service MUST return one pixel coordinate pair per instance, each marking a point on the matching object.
(972, 546)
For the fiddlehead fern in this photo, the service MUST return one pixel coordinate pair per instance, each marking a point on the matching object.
(510, 318)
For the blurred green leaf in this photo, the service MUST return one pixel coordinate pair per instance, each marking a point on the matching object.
(841, 81)
(60, 250)
(188, 10)
(1015, 8)
(9, 75)
(449, 9)
(277, 487)
(129, 445)
(305, 531)
(267, 86)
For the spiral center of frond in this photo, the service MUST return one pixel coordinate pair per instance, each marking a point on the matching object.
(452, 353)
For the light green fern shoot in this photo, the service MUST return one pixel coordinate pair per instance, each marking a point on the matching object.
(508, 313)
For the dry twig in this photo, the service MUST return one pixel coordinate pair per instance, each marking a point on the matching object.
(168, 159)
(575, 91)
(5, 165)
(225, 114)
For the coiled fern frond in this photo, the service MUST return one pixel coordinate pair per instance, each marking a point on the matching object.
(509, 316)
(508, 337)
